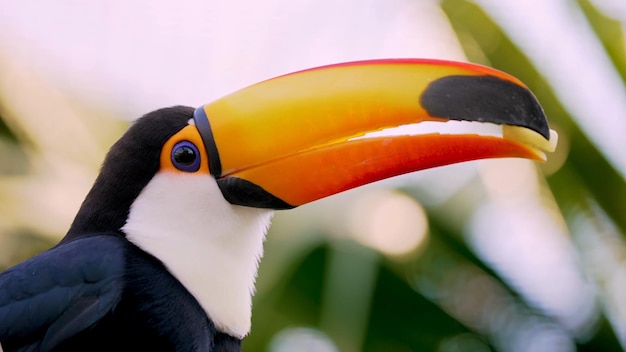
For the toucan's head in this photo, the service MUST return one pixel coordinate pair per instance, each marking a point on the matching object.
(196, 187)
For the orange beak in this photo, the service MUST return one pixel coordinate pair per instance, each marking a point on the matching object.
(303, 136)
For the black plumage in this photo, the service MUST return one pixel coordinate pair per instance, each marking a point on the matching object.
(95, 290)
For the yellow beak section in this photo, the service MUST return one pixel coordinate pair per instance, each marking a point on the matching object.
(303, 136)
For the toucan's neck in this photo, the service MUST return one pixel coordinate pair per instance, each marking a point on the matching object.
(211, 246)
(106, 207)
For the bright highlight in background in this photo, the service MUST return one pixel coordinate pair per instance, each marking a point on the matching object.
(301, 339)
(388, 221)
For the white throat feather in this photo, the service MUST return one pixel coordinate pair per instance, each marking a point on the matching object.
(211, 246)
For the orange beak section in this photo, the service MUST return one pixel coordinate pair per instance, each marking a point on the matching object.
(300, 137)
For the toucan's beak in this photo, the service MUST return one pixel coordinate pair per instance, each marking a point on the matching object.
(300, 137)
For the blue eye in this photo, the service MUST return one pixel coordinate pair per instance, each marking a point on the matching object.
(185, 157)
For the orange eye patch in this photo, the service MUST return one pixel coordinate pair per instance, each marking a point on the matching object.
(184, 152)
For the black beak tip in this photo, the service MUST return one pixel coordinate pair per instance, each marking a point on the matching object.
(485, 99)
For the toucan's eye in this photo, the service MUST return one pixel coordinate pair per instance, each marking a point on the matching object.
(185, 156)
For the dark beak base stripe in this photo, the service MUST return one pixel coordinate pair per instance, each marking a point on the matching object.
(204, 127)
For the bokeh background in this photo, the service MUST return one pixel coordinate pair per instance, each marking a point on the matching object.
(496, 255)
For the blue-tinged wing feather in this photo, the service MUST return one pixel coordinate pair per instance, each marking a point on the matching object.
(60, 292)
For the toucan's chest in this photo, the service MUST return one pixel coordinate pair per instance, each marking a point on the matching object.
(155, 313)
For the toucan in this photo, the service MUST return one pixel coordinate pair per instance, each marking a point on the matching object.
(163, 252)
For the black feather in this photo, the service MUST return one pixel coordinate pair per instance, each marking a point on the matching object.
(128, 167)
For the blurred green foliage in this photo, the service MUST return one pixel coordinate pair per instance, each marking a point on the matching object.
(5, 132)
(402, 316)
